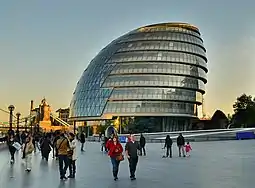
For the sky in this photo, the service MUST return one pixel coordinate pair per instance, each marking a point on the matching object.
(46, 45)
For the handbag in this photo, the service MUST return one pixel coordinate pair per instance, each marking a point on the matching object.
(17, 146)
(70, 153)
(120, 157)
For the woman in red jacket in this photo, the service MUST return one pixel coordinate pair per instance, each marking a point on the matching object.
(115, 153)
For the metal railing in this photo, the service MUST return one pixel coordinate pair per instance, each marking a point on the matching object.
(62, 122)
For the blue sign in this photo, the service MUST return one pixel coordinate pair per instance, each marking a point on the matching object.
(122, 139)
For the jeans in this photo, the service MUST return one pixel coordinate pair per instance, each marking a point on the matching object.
(132, 165)
(181, 150)
(45, 155)
(12, 152)
(28, 161)
(72, 167)
(82, 146)
(115, 166)
(38, 145)
(169, 151)
(62, 159)
(142, 151)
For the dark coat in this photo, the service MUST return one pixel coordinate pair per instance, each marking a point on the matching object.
(168, 142)
(82, 138)
(45, 146)
(180, 141)
(142, 141)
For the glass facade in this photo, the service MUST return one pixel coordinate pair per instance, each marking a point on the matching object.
(156, 70)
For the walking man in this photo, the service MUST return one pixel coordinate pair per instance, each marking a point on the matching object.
(132, 148)
(142, 145)
(82, 140)
(180, 144)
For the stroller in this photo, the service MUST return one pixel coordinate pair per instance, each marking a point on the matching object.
(163, 149)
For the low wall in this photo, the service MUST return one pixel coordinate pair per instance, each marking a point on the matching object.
(225, 134)
(194, 139)
(3, 145)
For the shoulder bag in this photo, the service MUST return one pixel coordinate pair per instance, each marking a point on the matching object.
(59, 147)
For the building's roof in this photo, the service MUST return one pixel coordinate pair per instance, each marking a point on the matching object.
(61, 110)
(171, 24)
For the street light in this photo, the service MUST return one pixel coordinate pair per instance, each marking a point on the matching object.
(25, 124)
(11, 109)
(18, 115)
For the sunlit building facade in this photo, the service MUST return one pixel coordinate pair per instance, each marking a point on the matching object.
(153, 71)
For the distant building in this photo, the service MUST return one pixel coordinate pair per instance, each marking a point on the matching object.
(218, 121)
(63, 113)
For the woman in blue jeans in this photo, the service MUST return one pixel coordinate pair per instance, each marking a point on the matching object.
(115, 153)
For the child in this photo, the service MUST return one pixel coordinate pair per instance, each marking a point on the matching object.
(188, 149)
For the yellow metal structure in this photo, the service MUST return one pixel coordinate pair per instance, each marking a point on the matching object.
(169, 25)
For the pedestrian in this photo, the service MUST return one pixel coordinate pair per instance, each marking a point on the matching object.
(142, 145)
(132, 147)
(188, 149)
(168, 146)
(62, 147)
(116, 156)
(12, 149)
(55, 139)
(82, 140)
(27, 153)
(102, 140)
(180, 145)
(45, 147)
(72, 156)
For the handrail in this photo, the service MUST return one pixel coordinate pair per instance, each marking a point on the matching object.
(62, 122)
(58, 119)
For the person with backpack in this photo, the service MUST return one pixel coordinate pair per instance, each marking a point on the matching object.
(62, 147)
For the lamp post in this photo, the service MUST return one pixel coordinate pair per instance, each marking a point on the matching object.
(18, 116)
(74, 127)
(25, 124)
(11, 109)
(31, 125)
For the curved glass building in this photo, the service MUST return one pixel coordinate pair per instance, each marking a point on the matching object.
(157, 71)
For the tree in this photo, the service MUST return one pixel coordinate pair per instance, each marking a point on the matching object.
(244, 109)
(243, 102)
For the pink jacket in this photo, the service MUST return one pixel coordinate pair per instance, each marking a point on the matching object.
(188, 148)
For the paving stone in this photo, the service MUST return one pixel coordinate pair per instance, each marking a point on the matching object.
(228, 164)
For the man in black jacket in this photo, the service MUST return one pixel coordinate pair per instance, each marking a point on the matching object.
(142, 145)
(82, 140)
(131, 148)
(180, 144)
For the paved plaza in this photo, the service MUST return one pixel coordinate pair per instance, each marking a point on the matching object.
(229, 164)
